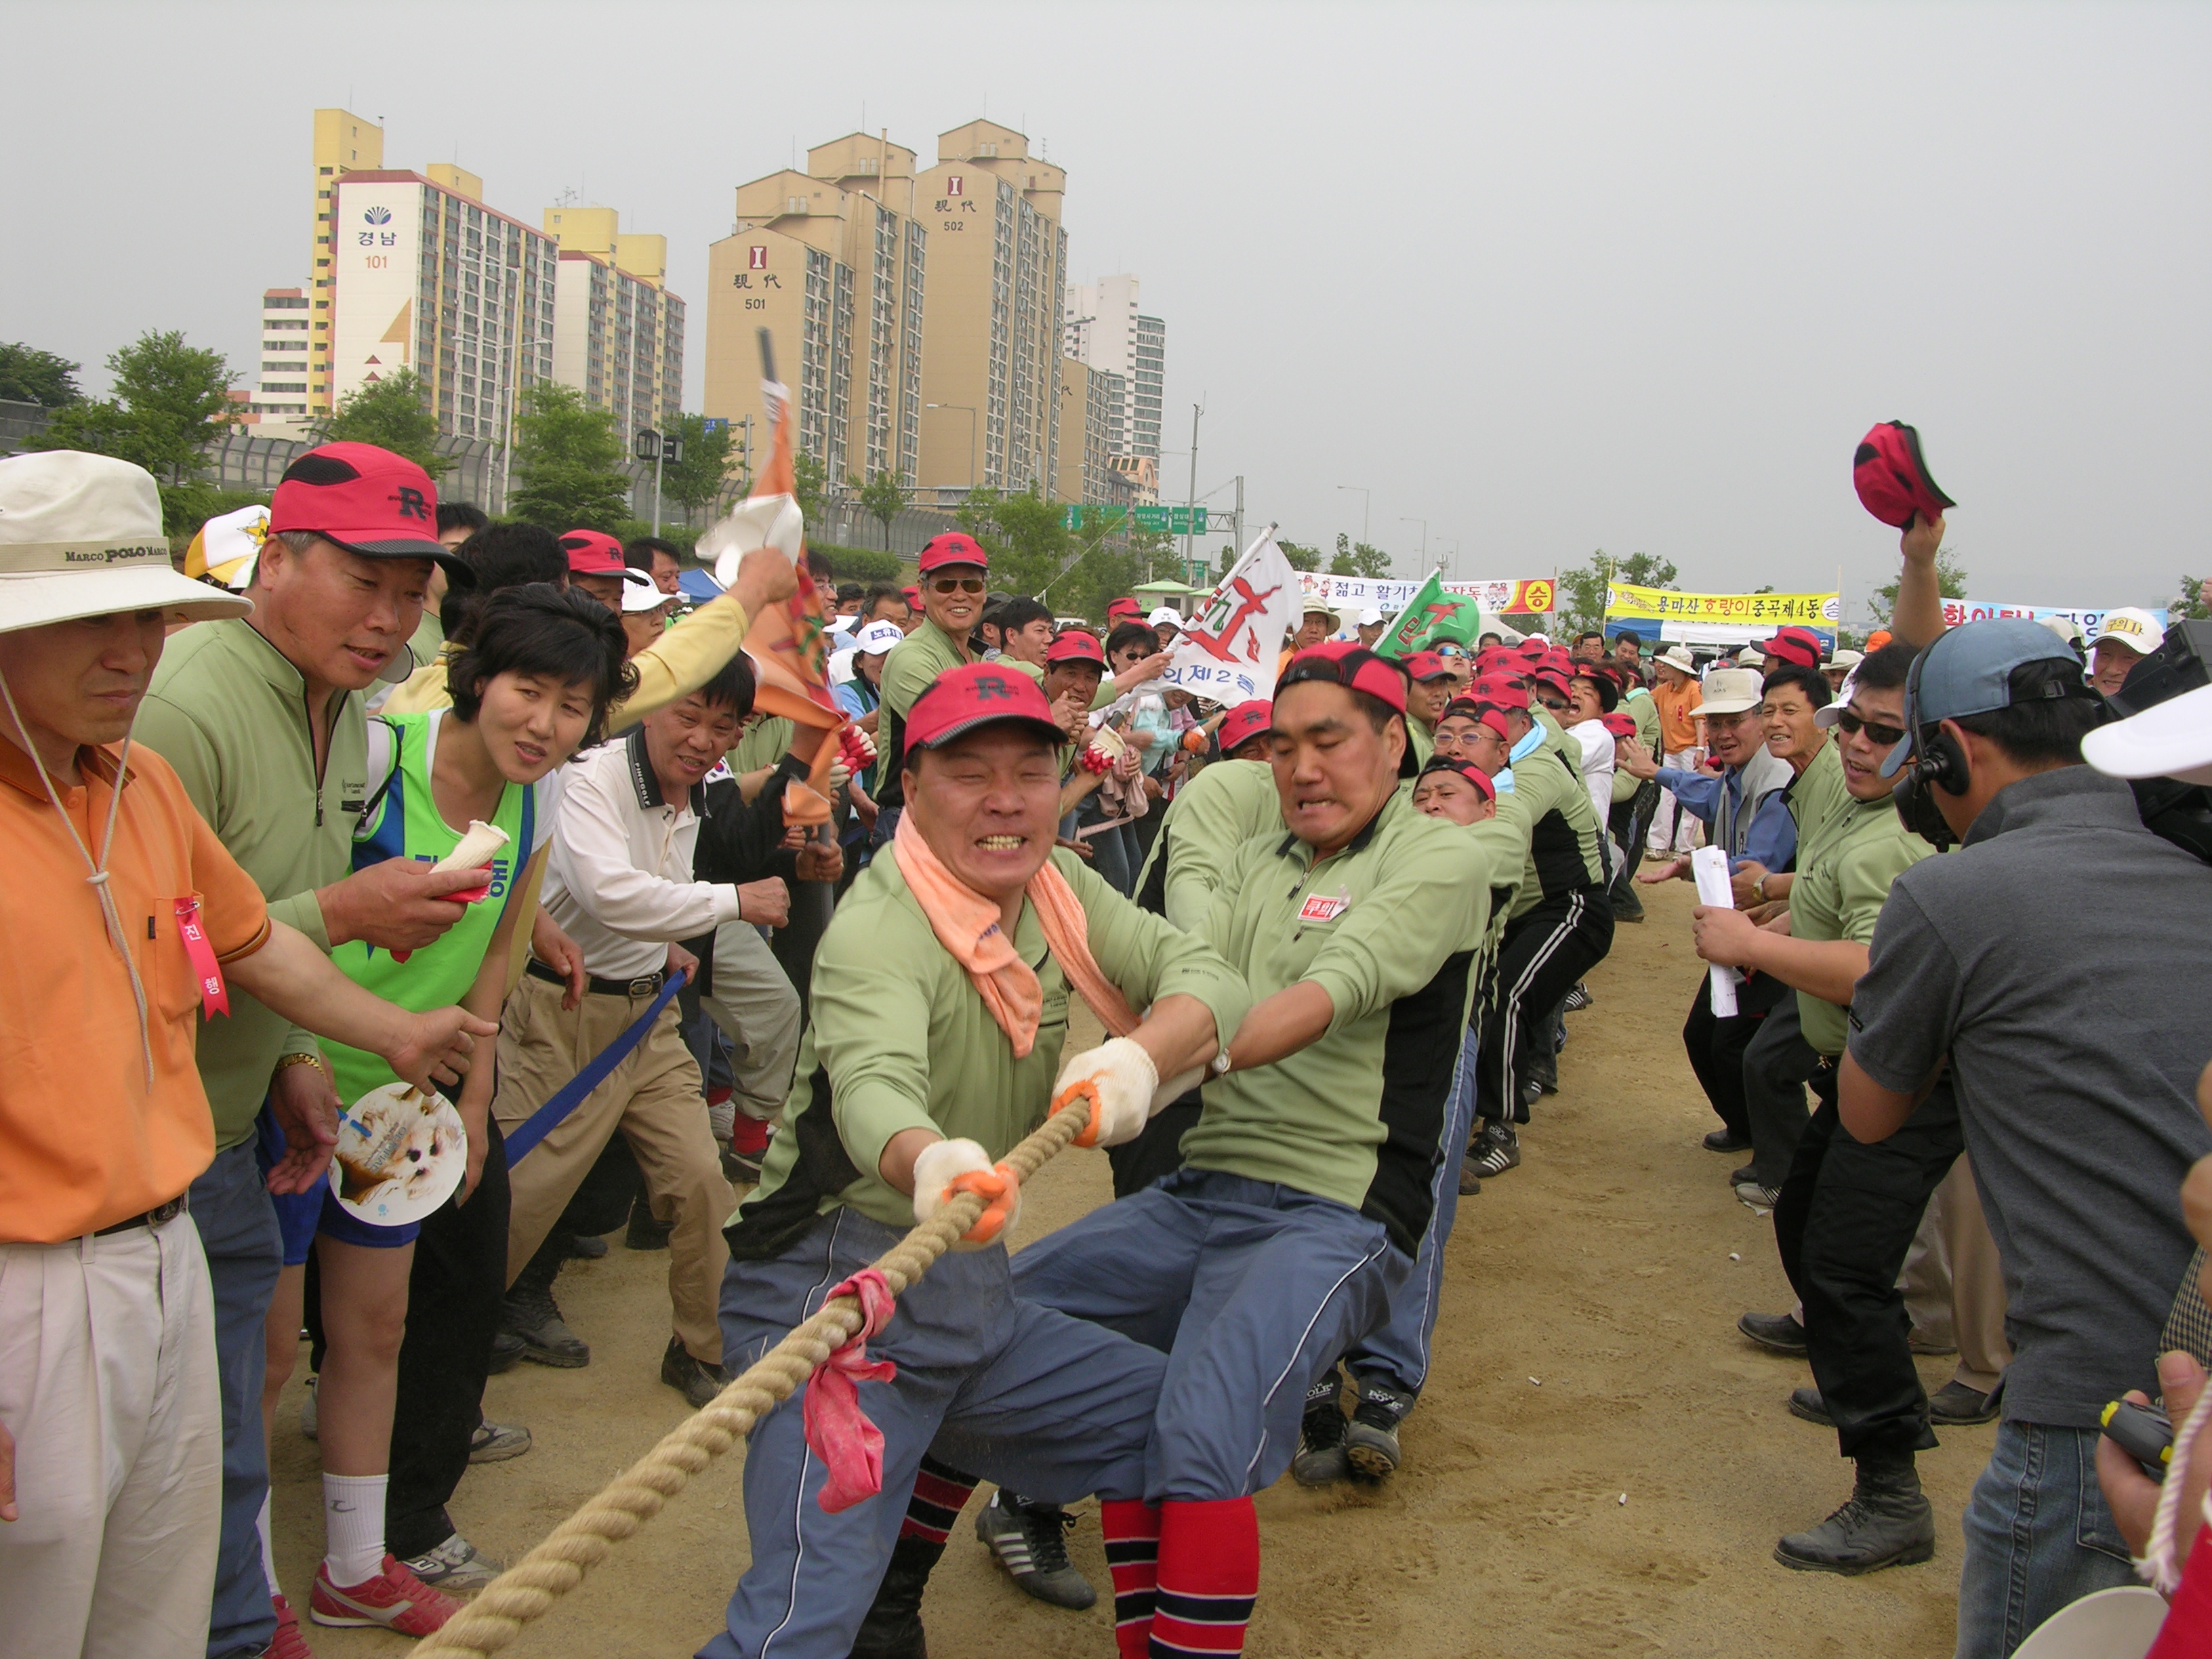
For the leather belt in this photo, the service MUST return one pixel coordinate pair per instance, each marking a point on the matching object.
(646, 984)
(153, 1218)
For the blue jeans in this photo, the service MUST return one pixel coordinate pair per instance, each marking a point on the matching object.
(2039, 1537)
(1397, 1354)
(237, 1223)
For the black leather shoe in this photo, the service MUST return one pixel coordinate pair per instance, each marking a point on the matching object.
(1956, 1404)
(1807, 1404)
(1725, 1139)
(1886, 1523)
(1778, 1333)
(1738, 1177)
(695, 1379)
(644, 1233)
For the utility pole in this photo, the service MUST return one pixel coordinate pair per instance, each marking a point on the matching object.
(1190, 500)
(1423, 523)
(1366, 500)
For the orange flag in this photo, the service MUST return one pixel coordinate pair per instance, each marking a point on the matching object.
(787, 642)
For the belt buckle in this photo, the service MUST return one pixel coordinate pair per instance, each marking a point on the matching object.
(645, 985)
(163, 1213)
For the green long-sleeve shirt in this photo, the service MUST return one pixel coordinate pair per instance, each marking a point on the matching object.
(1839, 892)
(229, 713)
(1563, 827)
(899, 1038)
(1818, 802)
(1388, 928)
(913, 662)
(1210, 818)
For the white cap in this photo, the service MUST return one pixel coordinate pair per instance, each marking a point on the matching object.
(1829, 713)
(2138, 630)
(2171, 739)
(80, 535)
(1677, 656)
(1165, 613)
(1370, 618)
(641, 592)
(1729, 691)
(878, 637)
(1842, 657)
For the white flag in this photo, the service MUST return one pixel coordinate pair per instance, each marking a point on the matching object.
(1229, 652)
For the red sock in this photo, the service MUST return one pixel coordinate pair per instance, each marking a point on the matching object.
(940, 1492)
(1132, 1556)
(1209, 1577)
(747, 1136)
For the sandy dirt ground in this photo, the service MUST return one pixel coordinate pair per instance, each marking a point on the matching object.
(1601, 1464)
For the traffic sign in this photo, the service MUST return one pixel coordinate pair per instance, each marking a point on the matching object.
(1108, 517)
(1172, 521)
(715, 423)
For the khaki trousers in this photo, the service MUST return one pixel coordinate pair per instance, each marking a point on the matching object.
(655, 1099)
(107, 1383)
(1955, 1284)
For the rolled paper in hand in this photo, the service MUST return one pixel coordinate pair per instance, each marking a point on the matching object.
(1709, 865)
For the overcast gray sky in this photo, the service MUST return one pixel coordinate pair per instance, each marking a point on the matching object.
(1553, 278)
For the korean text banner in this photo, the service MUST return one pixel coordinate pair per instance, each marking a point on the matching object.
(1508, 596)
(1957, 612)
(1737, 609)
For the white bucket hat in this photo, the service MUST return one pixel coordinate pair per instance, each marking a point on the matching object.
(80, 535)
(1165, 614)
(1729, 691)
(1678, 656)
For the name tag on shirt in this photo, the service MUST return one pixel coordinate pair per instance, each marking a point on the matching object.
(1320, 908)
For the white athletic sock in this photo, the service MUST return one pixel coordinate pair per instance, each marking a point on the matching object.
(352, 1522)
(268, 1549)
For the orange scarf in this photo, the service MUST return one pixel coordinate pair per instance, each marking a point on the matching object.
(967, 925)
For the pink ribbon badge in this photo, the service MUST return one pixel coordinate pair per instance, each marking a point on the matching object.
(200, 951)
(838, 1430)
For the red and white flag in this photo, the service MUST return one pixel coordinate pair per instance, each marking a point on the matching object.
(1228, 652)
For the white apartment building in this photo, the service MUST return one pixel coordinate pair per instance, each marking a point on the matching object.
(1105, 331)
(280, 385)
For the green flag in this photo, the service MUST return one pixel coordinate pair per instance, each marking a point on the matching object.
(1430, 615)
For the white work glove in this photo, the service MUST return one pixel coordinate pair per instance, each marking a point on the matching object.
(1118, 1077)
(946, 1167)
(840, 775)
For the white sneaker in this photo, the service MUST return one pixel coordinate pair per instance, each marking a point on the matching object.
(455, 1565)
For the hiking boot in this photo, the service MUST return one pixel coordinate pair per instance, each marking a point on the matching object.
(506, 1352)
(1956, 1404)
(1371, 1443)
(1778, 1333)
(1725, 1139)
(695, 1379)
(1320, 1461)
(644, 1233)
(395, 1599)
(287, 1642)
(586, 1248)
(1807, 1404)
(535, 1320)
(495, 1442)
(1495, 1150)
(1885, 1522)
(892, 1629)
(1031, 1541)
(455, 1565)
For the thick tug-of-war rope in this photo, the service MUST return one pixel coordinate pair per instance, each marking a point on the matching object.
(528, 1589)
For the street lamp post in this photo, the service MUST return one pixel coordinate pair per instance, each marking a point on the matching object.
(658, 446)
(1423, 523)
(970, 414)
(1366, 500)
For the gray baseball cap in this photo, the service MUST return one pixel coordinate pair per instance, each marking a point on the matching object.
(1969, 672)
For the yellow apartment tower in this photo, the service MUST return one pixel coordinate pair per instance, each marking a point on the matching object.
(344, 143)
(618, 331)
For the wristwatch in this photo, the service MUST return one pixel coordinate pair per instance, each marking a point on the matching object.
(1759, 887)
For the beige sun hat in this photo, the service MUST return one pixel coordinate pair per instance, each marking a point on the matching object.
(80, 535)
(1729, 691)
(1678, 657)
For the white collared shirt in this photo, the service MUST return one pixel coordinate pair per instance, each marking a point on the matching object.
(618, 880)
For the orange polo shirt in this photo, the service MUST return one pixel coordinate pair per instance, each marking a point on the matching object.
(83, 1142)
(1678, 716)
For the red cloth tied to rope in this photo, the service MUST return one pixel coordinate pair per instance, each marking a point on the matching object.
(838, 1430)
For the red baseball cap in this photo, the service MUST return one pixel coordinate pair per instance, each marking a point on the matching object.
(1798, 645)
(1342, 662)
(592, 553)
(1245, 722)
(1426, 665)
(1123, 607)
(1076, 646)
(977, 694)
(1468, 709)
(1891, 476)
(912, 596)
(1620, 724)
(1499, 692)
(1533, 647)
(1466, 768)
(367, 500)
(953, 547)
(1552, 678)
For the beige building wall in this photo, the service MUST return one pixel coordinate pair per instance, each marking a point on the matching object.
(342, 142)
(991, 340)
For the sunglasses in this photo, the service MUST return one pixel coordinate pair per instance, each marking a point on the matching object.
(1555, 704)
(956, 584)
(1886, 737)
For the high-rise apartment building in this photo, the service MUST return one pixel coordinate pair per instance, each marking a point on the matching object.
(832, 262)
(618, 331)
(281, 385)
(343, 143)
(1090, 422)
(1105, 329)
(425, 277)
(991, 343)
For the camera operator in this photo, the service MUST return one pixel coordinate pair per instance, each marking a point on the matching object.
(2073, 1055)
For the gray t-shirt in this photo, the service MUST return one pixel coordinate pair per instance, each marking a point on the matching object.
(2055, 957)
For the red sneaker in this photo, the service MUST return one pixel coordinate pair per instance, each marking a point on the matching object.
(395, 1599)
(289, 1644)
